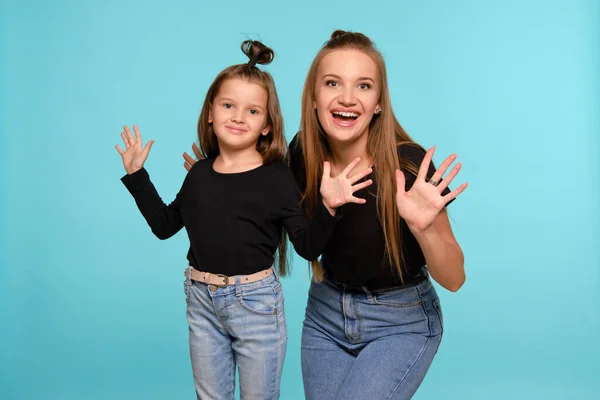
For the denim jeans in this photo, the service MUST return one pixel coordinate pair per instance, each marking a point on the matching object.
(369, 345)
(241, 324)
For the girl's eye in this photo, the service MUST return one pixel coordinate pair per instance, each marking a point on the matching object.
(254, 112)
(331, 83)
(228, 105)
(364, 86)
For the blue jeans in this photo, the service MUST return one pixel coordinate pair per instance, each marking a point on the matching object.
(369, 345)
(242, 324)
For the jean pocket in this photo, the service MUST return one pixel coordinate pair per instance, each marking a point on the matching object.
(260, 301)
(398, 298)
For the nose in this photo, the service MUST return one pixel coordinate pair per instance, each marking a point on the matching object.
(346, 97)
(238, 116)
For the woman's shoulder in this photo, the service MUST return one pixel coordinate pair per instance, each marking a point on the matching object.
(411, 151)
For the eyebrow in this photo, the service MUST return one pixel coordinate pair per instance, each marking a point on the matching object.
(362, 78)
(233, 101)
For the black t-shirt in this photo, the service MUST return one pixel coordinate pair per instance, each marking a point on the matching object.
(234, 221)
(355, 254)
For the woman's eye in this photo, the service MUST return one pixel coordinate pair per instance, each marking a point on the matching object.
(364, 86)
(331, 83)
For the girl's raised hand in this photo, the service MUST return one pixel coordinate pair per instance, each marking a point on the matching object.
(423, 202)
(134, 155)
(340, 190)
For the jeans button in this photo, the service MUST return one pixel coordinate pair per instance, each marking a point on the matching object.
(212, 288)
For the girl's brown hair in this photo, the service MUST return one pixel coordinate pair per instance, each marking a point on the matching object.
(272, 146)
(384, 136)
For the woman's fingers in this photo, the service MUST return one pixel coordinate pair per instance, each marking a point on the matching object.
(439, 173)
(425, 164)
(446, 182)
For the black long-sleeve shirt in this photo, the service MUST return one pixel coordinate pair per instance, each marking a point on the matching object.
(355, 254)
(234, 221)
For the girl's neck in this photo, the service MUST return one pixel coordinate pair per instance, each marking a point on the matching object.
(233, 161)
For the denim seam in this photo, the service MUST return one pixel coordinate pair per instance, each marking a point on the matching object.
(425, 312)
(397, 305)
(438, 312)
(411, 367)
(274, 374)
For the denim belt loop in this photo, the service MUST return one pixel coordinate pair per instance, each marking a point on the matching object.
(187, 284)
(368, 293)
(238, 285)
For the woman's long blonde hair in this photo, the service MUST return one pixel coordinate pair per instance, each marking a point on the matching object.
(385, 135)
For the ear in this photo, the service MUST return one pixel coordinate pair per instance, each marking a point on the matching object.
(314, 104)
(266, 130)
(210, 114)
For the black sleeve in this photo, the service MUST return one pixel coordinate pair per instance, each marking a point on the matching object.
(164, 220)
(415, 154)
(309, 236)
(295, 160)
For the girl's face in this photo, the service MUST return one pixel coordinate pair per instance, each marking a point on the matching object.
(346, 94)
(238, 114)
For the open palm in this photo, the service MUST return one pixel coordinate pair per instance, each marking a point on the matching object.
(340, 190)
(423, 202)
(134, 155)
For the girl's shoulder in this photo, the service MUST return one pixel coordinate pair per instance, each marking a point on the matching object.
(200, 167)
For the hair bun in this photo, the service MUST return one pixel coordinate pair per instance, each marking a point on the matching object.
(257, 52)
(337, 34)
(341, 37)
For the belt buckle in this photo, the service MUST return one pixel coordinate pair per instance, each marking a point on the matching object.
(225, 280)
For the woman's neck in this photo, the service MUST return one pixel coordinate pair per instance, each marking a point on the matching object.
(343, 153)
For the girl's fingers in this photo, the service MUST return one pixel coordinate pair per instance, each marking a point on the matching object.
(326, 170)
(357, 200)
(125, 140)
(400, 181)
(148, 147)
(350, 166)
(121, 152)
(361, 185)
(361, 175)
(138, 137)
(129, 135)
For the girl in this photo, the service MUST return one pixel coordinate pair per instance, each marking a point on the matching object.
(234, 204)
(373, 321)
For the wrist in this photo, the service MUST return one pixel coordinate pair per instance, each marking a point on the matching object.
(420, 231)
(132, 170)
(332, 210)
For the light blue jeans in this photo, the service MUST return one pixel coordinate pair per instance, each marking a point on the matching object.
(369, 345)
(242, 324)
